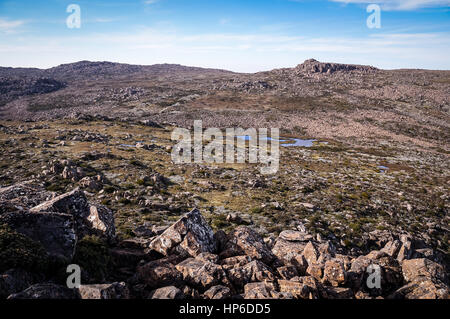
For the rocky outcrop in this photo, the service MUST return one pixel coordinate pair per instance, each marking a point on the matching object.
(117, 290)
(46, 291)
(185, 261)
(191, 235)
(89, 219)
(244, 241)
(56, 232)
(314, 66)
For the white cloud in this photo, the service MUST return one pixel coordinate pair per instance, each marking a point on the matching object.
(150, 1)
(401, 4)
(10, 26)
(241, 52)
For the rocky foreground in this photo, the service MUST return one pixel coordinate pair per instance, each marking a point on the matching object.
(41, 234)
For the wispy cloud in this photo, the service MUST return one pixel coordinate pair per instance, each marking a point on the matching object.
(246, 52)
(401, 4)
(151, 1)
(10, 26)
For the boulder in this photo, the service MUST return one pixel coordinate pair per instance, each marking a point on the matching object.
(290, 253)
(245, 241)
(218, 292)
(190, 235)
(251, 272)
(159, 273)
(416, 268)
(315, 270)
(14, 281)
(298, 289)
(56, 232)
(117, 290)
(310, 253)
(392, 248)
(22, 196)
(334, 273)
(287, 272)
(46, 291)
(259, 290)
(170, 292)
(337, 293)
(234, 262)
(201, 274)
(390, 271)
(422, 288)
(295, 236)
(89, 219)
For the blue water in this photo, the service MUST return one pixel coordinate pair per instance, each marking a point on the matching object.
(383, 169)
(288, 142)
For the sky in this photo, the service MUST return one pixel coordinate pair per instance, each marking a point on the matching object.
(237, 35)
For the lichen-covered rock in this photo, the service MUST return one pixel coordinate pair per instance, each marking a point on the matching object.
(389, 270)
(334, 273)
(422, 288)
(89, 219)
(392, 248)
(297, 289)
(291, 252)
(54, 231)
(159, 273)
(117, 290)
(287, 272)
(201, 274)
(218, 292)
(315, 270)
(245, 241)
(46, 291)
(170, 292)
(14, 281)
(310, 253)
(251, 272)
(190, 235)
(415, 268)
(259, 290)
(295, 236)
(22, 196)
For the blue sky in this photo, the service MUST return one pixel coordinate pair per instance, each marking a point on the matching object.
(245, 35)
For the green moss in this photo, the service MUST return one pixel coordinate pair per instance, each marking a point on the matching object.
(19, 251)
(92, 254)
(256, 210)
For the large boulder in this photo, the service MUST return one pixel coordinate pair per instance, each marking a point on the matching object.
(413, 269)
(334, 273)
(22, 196)
(14, 281)
(170, 292)
(190, 235)
(217, 292)
(55, 231)
(89, 219)
(389, 268)
(252, 272)
(290, 251)
(159, 273)
(259, 290)
(422, 288)
(46, 291)
(296, 288)
(245, 241)
(202, 274)
(117, 290)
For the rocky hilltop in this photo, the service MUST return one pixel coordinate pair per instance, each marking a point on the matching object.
(188, 260)
(314, 66)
